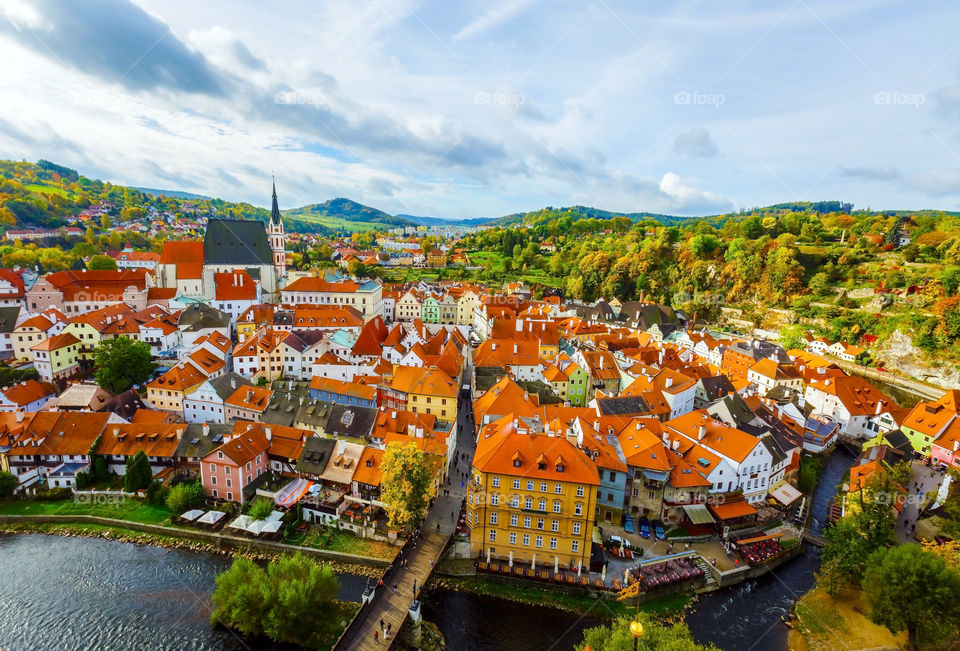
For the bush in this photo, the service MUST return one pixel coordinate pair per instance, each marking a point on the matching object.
(184, 497)
(8, 484)
(53, 494)
(261, 508)
(82, 480)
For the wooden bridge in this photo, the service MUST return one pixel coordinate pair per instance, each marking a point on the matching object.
(814, 539)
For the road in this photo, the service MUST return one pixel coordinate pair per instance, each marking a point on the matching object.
(392, 601)
(927, 481)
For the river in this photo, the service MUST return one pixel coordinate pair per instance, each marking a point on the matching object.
(99, 594)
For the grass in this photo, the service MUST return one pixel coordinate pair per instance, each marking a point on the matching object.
(337, 223)
(823, 622)
(345, 612)
(47, 189)
(606, 608)
(133, 510)
(344, 542)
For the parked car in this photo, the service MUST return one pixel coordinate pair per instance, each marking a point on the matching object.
(644, 527)
(658, 530)
(628, 524)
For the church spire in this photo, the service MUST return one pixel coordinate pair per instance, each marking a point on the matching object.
(275, 208)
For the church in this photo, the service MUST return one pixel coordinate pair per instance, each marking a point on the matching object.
(228, 245)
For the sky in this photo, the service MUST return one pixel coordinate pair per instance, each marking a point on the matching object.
(486, 108)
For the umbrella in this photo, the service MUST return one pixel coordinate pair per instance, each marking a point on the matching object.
(533, 563)
(488, 555)
(556, 564)
(603, 573)
(579, 565)
(510, 562)
(626, 575)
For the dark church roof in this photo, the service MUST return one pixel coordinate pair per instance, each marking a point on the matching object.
(236, 242)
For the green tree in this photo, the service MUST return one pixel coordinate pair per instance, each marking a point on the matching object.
(792, 337)
(102, 262)
(292, 601)
(8, 483)
(831, 577)
(406, 483)
(867, 527)
(617, 637)
(121, 363)
(185, 496)
(260, 509)
(139, 474)
(907, 588)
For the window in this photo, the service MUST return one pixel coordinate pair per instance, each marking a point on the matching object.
(574, 545)
(539, 541)
(513, 538)
(553, 543)
(513, 520)
(213, 481)
(556, 506)
(230, 496)
(226, 470)
(515, 501)
(540, 523)
(213, 467)
(543, 487)
(576, 528)
(229, 484)
(219, 454)
(495, 482)
(516, 484)
(495, 499)
(555, 525)
(613, 476)
(526, 539)
(579, 491)
(557, 488)
(578, 509)
(542, 504)
(528, 503)
(493, 517)
(493, 535)
(529, 484)
(651, 495)
(526, 522)
(215, 493)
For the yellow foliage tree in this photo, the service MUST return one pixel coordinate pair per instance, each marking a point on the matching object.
(406, 486)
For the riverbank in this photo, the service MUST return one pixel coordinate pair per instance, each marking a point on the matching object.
(120, 533)
(584, 604)
(821, 622)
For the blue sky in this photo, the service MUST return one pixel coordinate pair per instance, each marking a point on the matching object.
(478, 109)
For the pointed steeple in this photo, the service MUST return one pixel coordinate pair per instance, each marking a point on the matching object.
(275, 209)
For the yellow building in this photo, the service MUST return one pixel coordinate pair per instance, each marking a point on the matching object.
(434, 392)
(168, 391)
(531, 494)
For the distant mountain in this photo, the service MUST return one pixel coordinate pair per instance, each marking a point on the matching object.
(345, 215)
(583, 212)
(175, 194)
(444, 221)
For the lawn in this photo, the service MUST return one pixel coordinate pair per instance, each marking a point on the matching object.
(335, 540)
(336, 223)
(47, 189)
(133, 510)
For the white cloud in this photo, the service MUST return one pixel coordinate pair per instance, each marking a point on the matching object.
(493, 17)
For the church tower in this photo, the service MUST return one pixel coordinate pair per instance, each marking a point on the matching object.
(276, 237)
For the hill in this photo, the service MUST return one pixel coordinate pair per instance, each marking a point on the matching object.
(346, 216)
(444, 221)
(176, 194)
(584, 212)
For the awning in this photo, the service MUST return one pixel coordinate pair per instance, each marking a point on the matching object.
(242, 522)
(655, 475)
(190, 516)
(750, 541)
(292, 492)
(698, 513)
(211, 517)
(733, 510)
(785, 494)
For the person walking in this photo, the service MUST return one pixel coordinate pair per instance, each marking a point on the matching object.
(376, 637)
(382, 625)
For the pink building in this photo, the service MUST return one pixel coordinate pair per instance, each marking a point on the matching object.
(234, 465)
(946, 448)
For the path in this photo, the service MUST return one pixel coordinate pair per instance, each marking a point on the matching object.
(928, 481)
(391, 606)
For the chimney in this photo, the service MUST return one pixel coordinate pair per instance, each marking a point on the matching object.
(701, 432)
(20, 415)
(206, 429)
(493, 345)
(676, 444)
(879, 407)
(233, 383)
(519, 325)
(266, 430)
(419, 432)
(514, 349)
(393, 415)
(956, 446)
(669, 382)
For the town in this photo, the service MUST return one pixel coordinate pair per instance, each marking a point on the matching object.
(621, 449)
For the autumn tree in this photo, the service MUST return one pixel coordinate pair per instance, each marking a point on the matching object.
(406, 485)
(102, 262)
(907, 588)
(617, 636)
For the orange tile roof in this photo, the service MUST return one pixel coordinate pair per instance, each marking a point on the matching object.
(243, 447)
(728, 441)
(251, 398)
(339, 387)
(931, 417)
(235, 285)
(56, 342)
(731, 510)
(179, 378)
(857, 395)
(369, 469)
(156, 440)
(27, 391)
(317, 284)
(503, 450)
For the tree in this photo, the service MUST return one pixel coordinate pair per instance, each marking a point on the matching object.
(185, 496)
(831, 577)
(867, 527)
(121, 363)
(260, 509)
(102, 262)
(8, 483)
(405, 484)
(139, 474)
(907, 588)
(617, 637)
(792, 337)
(292, 601)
